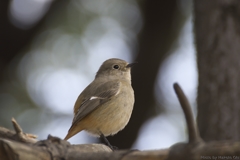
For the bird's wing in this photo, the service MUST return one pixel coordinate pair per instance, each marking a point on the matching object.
(101, 96)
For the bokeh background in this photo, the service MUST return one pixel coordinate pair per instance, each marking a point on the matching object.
(51, 50)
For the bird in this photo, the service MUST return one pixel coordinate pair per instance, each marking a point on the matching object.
(105, 106)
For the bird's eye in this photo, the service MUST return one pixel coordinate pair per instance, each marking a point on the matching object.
(116, 67)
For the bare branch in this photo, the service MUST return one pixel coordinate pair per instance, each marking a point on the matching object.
(56, 148)
(18, 135)
(193, 133)
(16, 126)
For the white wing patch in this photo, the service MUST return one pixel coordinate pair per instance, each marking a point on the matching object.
(93, 97)
(117, 92)
(101, 96)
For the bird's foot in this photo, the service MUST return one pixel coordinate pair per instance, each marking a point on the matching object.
(113, 148)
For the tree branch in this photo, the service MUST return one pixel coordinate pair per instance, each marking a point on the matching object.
(21, 146)
(193, 133)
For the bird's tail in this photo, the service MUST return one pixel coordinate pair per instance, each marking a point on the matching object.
(72, 131)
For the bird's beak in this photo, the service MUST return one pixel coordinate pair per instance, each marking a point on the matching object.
(131, 64)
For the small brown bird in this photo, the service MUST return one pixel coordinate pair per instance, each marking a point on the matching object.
(105, 106)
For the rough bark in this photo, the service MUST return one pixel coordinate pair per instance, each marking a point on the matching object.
(217, 29)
